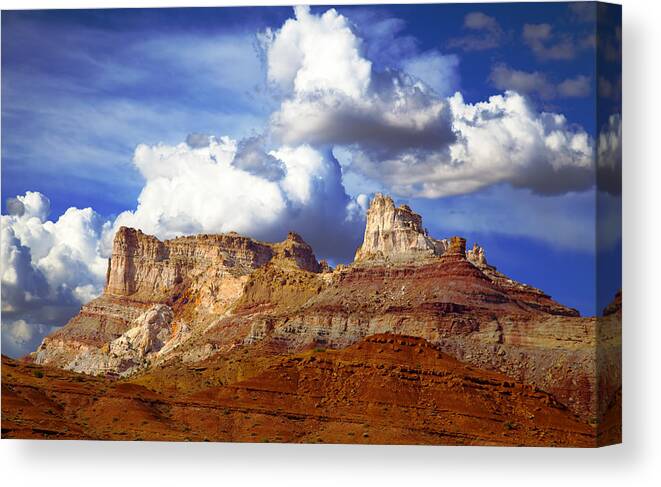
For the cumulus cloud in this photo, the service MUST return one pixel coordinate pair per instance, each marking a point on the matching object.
(15, 207)
(354, 103)
(583, 11)
(503, 140)
(197, 140)
(383, 38)
(315, 53)
(506, 78)
(384, 43)
(220, 188)
(486, 33)
(49, 268)
(402, 134)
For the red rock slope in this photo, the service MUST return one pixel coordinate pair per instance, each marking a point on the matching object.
(384, 389)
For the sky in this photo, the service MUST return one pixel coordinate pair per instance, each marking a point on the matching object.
(497, 122)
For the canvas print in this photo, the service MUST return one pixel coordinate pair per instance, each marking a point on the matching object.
(383, 224)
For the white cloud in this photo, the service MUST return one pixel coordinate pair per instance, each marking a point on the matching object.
(383, 38)
(502, 140)
(333, 96)
(20, 337)
(202, 190)
(251, 157)
(19, 332)
(402, 134)
(505, 78)
(46, 261)
(317, 53)
(539, 37)
(49, 268)
(583, 11)
(192, 190)
(357, 208)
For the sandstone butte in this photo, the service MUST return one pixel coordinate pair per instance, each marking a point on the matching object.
(226, 338)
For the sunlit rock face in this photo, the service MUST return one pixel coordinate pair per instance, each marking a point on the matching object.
(396, 233)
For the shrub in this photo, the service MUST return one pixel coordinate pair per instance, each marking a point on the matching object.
(38, 373)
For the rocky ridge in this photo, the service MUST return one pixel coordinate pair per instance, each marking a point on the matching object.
(216, 294)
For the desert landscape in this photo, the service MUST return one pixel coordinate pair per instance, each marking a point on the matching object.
(373, 224)
(226, 338)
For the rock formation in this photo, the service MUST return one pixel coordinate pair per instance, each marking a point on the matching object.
(151, 336)
(396, 233)
(205, 298)
(199, 277)
(143, 266)
(477, 256)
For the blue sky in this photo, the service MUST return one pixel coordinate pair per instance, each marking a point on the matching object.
(81, 89)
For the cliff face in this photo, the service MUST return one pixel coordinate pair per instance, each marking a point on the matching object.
(201, 298)
(143, 266)
(396, 233)
(196, 278)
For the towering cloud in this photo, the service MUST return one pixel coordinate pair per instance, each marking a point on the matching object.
(333, 95)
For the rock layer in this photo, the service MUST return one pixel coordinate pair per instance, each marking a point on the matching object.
(385, 389)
